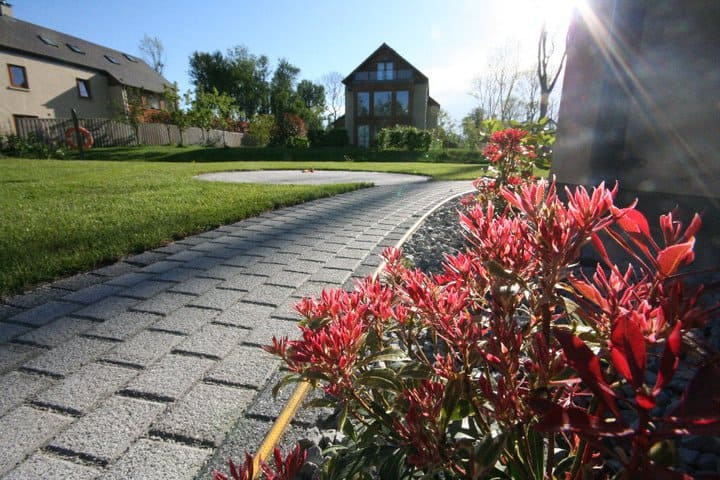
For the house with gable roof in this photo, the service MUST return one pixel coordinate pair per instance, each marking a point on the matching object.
(47, 73)
(383, 91)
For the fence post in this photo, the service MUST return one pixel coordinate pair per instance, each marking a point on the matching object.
(78, 140)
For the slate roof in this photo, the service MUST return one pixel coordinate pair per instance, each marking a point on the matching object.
(419, 75)
(24, 37)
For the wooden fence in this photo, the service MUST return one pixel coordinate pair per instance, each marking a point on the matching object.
(111, 133)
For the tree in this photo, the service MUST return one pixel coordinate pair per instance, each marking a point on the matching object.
(471, 127)
(153, 52)
(546, 78)
(446, 130)
(497, 91)
(212, 109)
(310, 103)
(282, 88)
(335, 95)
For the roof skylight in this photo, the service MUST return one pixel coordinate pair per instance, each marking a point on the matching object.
(112, 59)
(75, 48)
(48, 41)
(131, 58)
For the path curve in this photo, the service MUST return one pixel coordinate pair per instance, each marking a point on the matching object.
(152, 366)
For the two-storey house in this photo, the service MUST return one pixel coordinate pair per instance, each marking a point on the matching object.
(47, 73)
(383, 91)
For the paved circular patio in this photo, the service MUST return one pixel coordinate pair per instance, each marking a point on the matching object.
(312, 177)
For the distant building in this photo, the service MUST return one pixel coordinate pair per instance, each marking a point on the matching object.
(49, 73)
(384, 91)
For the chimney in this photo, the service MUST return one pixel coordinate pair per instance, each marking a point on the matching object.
(5, 9)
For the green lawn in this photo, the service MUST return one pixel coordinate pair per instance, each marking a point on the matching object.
(62, 217)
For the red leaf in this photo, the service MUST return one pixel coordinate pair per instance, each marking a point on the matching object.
(587, 365)
(672, 257)
(632, 221)
(590, 292)
(600, 248)
(670, 359)
(556, 418)
(627, 350)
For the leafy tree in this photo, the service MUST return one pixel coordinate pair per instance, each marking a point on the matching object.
(261, 129)
(153, 52)
(310, 103)
(282, 88)
(250, 75)
(446, 131)
(210, 70)
(212, 109)
(471, 127)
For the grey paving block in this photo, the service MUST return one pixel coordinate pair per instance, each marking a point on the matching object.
(12, 355)
(107, 308)
(82, 390)
(179, 274)
(57, 332)
(203, 263)
(268, 294)
(352, 253)
(273, 327)
(211, 234)
(330, 276)
(191, 241)
(145, 258)
(288, 279)
(184, 256)
(263, 267)
(25, 429)
(286, 310)
(244, 281)
(164, 303)
(314, 256)
(309, 289)
(244, 260)
(170, 378)
(186, 320)
(217, 298)
(244, 314)
(36, 297)
(107, 432)
(195, 286)
(124, 325)
(92, 294)
(205, 414)
(70, 356)
(221, 252)
(16, 387)
(143, 349)
(8, 331)
(115, 270)
(247, 366)
(222, 272)
(364, 270)
(212, 340)
(129, 279)
(171, 248)
(342, 263)
(152, 459)
(47, 467)
(159, 267)
(146, 289)
(79, 281)
(45, 313)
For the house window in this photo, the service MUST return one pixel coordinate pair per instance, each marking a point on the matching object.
(75, 48)
(112, 59)
(48, 41)
(151, 101)
(83, 87)
(402, 102)
(18, 76)
(363, 139)
(363, 104)
(382, 103)
(385, 71)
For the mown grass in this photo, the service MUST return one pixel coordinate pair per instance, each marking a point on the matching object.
(62, 217)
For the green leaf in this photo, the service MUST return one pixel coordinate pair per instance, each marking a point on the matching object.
(487, 454)
(383, 379)
(415, 370)
(389, 354)
(286, 380)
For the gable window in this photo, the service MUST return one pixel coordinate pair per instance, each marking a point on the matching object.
(385, 71)
(83, 87)
(363, 103)
(402, 102)
(75, 48)
(112, 59)
(48, 41)
(18, 76)
(381, 103)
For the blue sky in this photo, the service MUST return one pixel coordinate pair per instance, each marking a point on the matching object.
(450, 41)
